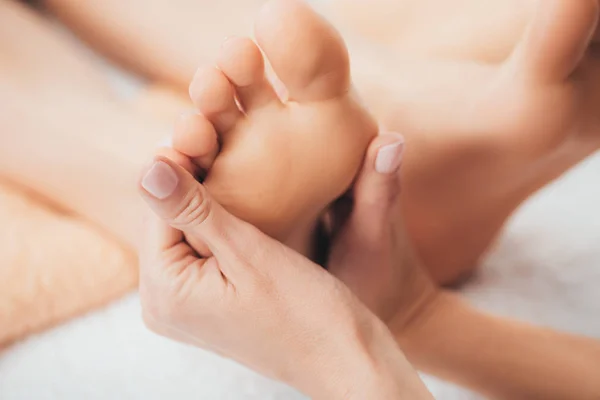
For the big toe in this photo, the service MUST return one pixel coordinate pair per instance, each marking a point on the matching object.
(305, 51)
(242, 63)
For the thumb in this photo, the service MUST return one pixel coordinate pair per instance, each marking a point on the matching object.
(364, 256)
(183, 203)
(377, 188)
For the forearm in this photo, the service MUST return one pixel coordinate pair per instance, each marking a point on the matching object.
(501, 358)
(376, 369)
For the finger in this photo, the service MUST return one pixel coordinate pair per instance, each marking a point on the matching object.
(377, 183)
(163, 257)
(373, 231)
(184, 204)
(180, 201)
(163, 250)
(158, 236)
(556, 40)
(377, 188)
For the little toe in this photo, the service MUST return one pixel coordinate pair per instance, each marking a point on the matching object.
(242, 63)
(196, 138)
(307, 54)
(214, 96)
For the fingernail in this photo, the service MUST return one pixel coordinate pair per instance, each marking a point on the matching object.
(160, 180)
(389, 158)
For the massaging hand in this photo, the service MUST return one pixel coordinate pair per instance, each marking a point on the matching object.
(365, 254)
(439, 332)
(211, 280)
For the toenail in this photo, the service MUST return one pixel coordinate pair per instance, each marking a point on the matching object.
(160, 180)
(389, 158)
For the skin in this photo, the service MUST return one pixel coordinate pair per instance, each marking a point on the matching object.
(485, 31)
(111, 155)
(520, 124)
(139, 33)
(319, 97)
(439, 332)
(308, 146)
(214, 281)
(56, 106)
(499, 358)
(443, 335)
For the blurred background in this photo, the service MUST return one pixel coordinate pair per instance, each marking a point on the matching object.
(70, 320)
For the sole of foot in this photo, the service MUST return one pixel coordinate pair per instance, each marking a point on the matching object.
(278, 163)
(478, 30)
(482, 138)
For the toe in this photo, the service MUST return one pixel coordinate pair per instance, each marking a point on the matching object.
(196, 138)
(212, 94)
(556, 40)
(242, 63)
(307, 53)
(179, 158)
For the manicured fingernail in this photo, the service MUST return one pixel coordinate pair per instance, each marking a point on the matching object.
(389, 158)
(160, 180)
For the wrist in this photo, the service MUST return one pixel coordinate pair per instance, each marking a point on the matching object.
(367, 364)
(432, 329)
(409, 323)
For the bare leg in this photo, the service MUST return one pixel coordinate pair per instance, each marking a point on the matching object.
(165, 40)
(64, 133)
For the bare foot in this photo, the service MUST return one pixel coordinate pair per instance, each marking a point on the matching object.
(164, 40)
(481, 30)
(278, 164)
(482, 138)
